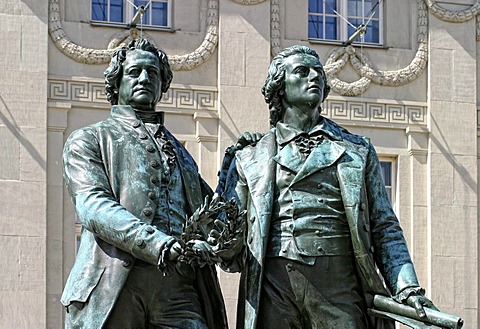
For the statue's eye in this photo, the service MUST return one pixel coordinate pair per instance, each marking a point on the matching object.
(134, 72)
(301, 71)
(153, 73)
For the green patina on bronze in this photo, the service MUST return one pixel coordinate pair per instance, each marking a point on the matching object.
(319, 222)
(118, 173)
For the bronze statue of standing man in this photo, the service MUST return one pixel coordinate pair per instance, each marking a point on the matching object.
(133, 184)
(319, 222)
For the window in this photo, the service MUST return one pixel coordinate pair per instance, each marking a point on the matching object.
(387, 166)
(158, 12)
(78, 232)
(343, 20)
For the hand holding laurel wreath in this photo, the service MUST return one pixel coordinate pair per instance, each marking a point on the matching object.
(214, 232)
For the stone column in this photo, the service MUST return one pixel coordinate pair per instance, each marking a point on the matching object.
(452, 222)
(417, 141)
(57, 124)
(23, 140)
(206, 131)
(243, 59)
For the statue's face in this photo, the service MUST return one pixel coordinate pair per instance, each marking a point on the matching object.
(140, 86)
(304, 81)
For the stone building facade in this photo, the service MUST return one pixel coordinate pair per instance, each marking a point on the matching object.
(412, 89)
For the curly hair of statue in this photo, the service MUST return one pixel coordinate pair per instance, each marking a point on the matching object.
(114, 71)
(273, 89)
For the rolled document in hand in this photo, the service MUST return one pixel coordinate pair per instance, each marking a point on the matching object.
(387, 305)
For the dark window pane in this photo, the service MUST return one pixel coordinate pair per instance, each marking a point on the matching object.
(331, 28)
(386, 167)
(116, 11)
(99, 10)
(78, 239)
(389, 194)
(315, 29)
(354, 8)
(330, 6)
(373, 32)
(315, 6)
(159, 13)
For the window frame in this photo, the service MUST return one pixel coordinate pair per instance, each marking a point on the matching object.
(129, 12)
(342, 26)
(393, 178)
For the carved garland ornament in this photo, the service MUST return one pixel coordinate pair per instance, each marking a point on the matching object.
(459, 16)
(362, 64)
(101, 56)
(336, 61)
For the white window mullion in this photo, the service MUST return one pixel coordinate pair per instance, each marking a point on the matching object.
(170, 13)
(128, 10)
(343, 10)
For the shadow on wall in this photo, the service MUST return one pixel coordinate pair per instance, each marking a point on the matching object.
(463, 172)
(38, 9)
(18, 134)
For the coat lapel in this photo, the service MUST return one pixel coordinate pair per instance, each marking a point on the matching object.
(287, 158)
(259, 169)
(322, 156)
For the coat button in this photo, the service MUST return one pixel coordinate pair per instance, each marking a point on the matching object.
(149, 229)
(154, 179)
(289, 267)
(151, 195)
(363, 206)
(317, 233)
(140, 243)
(147, 212)
(143, 136)
(366, 227)
(126, 262)
(154, 164)
(150, 148)
(136, 124)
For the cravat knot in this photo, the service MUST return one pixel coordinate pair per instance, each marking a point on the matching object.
(307, 143)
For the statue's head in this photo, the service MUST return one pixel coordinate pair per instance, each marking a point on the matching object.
(138, 75)
(274, 89)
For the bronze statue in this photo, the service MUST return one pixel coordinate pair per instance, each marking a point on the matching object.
(133, 184)
(319, 222)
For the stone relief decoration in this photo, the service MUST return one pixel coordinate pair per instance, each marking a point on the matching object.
(199, 99)
(459, 16)
(178, 97)
(388, 113)
(248, 2)
(335, 62)
(359, 59)
(102, 56)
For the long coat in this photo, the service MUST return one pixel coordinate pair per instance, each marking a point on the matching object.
(108, 170)
(377, 238)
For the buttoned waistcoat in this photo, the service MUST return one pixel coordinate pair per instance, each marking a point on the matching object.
(377, 238)
(109, 170)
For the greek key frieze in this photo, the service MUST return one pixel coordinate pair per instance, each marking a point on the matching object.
(376, 113)
(93, 92)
